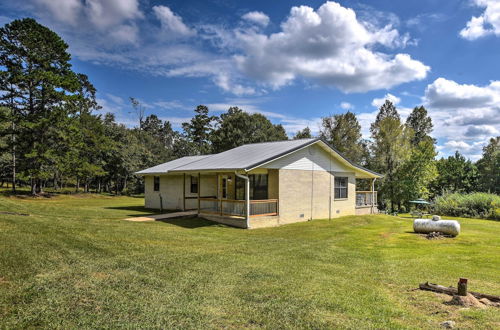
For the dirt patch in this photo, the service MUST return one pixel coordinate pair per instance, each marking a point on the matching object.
(435, 235)
(3, 281)
(466, 301)
(101, 276)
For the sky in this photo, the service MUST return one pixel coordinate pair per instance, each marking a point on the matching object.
(293, 61)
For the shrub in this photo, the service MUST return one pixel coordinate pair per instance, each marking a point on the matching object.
(475, 205)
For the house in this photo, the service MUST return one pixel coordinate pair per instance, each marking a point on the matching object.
(263, 184)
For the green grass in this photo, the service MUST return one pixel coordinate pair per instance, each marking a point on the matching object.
(73, 263)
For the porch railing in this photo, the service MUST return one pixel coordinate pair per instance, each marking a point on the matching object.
(366, 198)
(231, 207)
(263, 207)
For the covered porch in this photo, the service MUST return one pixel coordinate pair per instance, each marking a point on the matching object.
(366, 200)
(232, 195)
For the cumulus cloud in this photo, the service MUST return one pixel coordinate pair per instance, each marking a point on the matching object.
(172, 23)
(377, 102)
(330, 46)
(464, 115)
(256, 17)
(486, 24)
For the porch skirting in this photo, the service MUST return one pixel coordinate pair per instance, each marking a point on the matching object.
(255, 222)
(363, 210)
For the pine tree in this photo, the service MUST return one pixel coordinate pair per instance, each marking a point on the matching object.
(421, 124)
(199, 129)
(37, 69)
(343, 132)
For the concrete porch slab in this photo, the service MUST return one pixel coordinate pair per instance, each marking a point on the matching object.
(163, 216)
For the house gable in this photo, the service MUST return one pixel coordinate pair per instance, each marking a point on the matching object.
(310, 158)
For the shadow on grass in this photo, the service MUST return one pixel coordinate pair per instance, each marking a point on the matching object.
(190, 223)
(143, 211)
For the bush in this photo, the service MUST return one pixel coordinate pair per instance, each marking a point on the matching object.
(475, 205)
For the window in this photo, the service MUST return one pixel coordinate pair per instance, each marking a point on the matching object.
(194, 184)
(156, 183)
(258, 187)
(340, 187)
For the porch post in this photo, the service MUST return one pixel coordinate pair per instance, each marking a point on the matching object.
(184, 192)
(247, 201)
(199, 191)
(373, 196)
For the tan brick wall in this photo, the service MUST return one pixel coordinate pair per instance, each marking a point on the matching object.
(171, 191)
(273, 184)
(305, 195)
(341, 207)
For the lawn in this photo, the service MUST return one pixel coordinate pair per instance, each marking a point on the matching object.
(73, 263)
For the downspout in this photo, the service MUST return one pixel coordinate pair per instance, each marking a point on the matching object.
(247, 197)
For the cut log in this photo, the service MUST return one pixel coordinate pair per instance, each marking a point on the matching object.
(453, 291)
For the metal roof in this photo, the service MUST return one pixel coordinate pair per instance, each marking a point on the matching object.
(166, 167)
(246, 157)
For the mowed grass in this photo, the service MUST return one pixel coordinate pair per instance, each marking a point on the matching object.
(74, 263)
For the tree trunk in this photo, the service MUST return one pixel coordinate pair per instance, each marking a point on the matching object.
(33, 186)
(77, 189)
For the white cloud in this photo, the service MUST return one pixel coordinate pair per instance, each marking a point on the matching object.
(444, 93)
(485, 24)
(346, 106)
(256, 17)
(63, 10)
(377, 102)
(330, 46)
(172, 23)
(105, 13)
(464, 115)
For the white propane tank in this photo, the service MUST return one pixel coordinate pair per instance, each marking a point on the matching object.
(449, 227)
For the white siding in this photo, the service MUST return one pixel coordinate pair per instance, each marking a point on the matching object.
(310, 158)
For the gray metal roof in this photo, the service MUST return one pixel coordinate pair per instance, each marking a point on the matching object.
(246, 156)
(166, 167)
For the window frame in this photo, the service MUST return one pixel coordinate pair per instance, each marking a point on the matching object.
(156, 183)
(341, 187)
(194, 186)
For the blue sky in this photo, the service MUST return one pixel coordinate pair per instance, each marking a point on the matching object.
(294, 61)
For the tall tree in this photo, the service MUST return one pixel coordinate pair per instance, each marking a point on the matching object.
(343, 132)
(489, 167)
(421, 124)
(303, 134)
(199, 129)
(237, 127)
(40, 77)
(390, 149)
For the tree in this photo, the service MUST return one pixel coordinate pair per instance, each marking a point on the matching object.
(237, 127)
(199, 129)
(417, 172)
(303, 134)
(343, 132)
(456, 174)
(390, 149)
(387, 110)
(35, 67)
(489, 167)
(421, 124)
(139, 110)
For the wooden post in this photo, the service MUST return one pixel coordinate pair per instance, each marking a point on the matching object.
(184, 192)
(199, 191)
(462, 287)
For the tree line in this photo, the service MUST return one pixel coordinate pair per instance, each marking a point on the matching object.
(52, 134)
